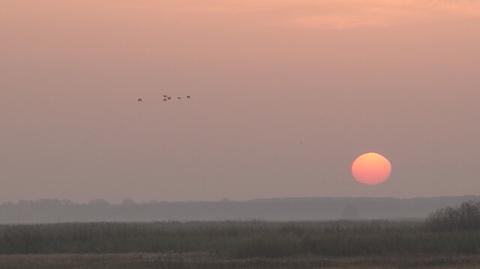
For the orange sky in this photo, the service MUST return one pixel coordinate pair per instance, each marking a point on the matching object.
(285, 95)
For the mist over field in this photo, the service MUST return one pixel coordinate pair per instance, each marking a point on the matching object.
(279, 209)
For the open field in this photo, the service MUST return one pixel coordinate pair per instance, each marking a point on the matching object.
(340, 244)
(240, 239)
(204, 261)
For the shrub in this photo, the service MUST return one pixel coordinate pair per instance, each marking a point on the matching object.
(464, 217)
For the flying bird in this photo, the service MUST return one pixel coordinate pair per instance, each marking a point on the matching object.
(167, 98)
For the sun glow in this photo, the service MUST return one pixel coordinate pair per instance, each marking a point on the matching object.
(371, 169)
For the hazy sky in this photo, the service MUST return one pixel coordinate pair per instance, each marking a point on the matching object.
(285, 94)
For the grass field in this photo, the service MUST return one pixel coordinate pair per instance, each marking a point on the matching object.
(240, 239)
(341, 244)
(204, 261)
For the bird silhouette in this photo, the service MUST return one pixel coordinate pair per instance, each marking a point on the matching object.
(167, 98)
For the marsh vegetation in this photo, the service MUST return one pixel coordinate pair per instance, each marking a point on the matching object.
(448, 237)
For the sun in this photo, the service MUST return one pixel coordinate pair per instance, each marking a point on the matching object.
(371, 169)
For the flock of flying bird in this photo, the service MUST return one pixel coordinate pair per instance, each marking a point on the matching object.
(167, 98)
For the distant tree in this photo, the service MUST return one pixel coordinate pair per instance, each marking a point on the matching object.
(99, 202)
(128, 202)
(463, 217)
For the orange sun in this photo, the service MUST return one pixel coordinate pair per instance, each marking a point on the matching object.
(371, 169)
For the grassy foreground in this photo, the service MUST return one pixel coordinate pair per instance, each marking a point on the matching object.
(204, 261)
(341, 244)
(241, 239)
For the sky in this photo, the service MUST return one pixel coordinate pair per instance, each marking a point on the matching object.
(285, 95)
